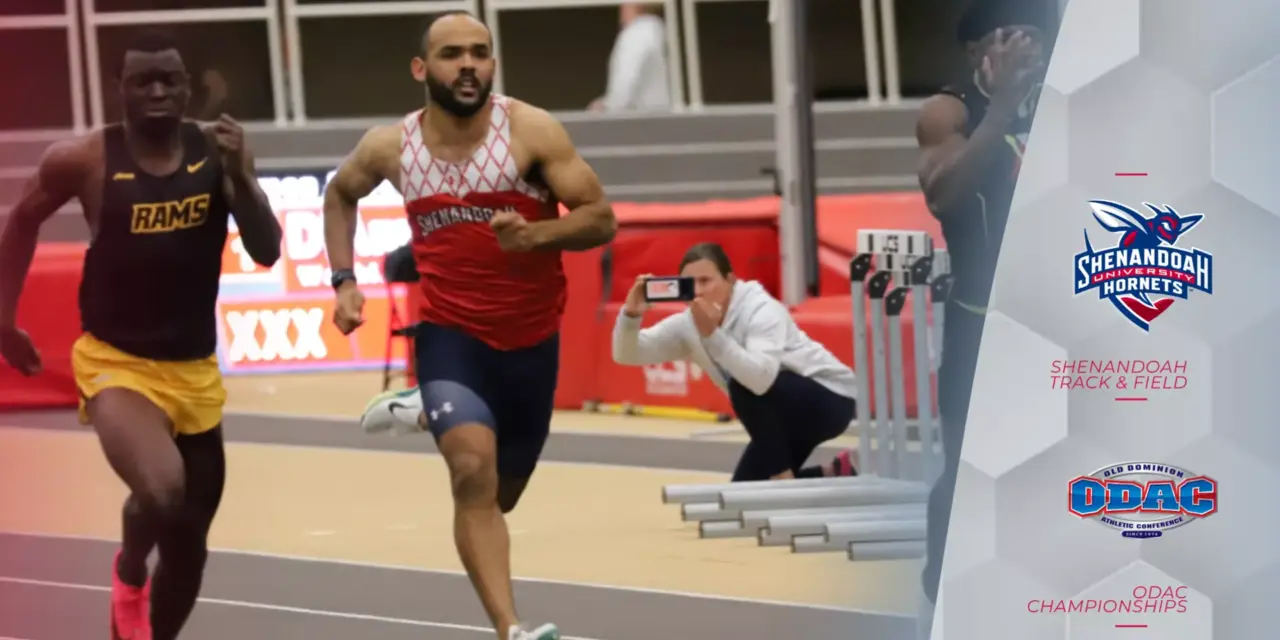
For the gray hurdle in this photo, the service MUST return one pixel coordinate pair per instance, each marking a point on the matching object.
(879, 514)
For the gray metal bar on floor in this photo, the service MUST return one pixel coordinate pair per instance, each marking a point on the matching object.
(723, 529)
(895, 550)
(812, 544)
(889, 531)
(762, 516)
(842, 533)
(817, 525)
(816, 497)
(704, 511)
(701, 493)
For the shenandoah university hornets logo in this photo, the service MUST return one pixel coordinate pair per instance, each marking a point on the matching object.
(1145, 272)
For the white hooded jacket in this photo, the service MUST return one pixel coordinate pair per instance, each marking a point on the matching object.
(757, 339)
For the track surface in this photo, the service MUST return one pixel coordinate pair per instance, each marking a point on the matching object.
(55, 588)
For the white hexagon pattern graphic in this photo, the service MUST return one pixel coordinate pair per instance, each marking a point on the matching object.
(1016, 395)
(1035, 532)
(1138, 119)
(1236, 387)
(1235, 609)
(1159, 406)
(1113, 25)
(976, 543)
(1244, 136)
(990, 601)
(1227, 546)
(1141, 597)
(1210, 43)
(1193, 113)
(1244, 235)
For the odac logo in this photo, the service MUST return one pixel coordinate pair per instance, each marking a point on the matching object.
(1143, 499)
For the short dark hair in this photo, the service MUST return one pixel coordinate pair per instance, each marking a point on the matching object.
(707, 251)
(422, 44)
(984, 16)
(152, 40)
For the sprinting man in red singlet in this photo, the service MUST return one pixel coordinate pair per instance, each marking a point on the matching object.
(482, 176)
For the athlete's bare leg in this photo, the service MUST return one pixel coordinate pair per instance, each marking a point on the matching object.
(479, 528)
(175, 489)
(136, 437)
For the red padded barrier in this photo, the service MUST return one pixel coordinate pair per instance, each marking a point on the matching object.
(752, 249)
(48, 312)
(579, 353)
(841, 216)
(652, 239)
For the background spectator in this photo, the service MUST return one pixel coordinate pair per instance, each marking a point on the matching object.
(638, 65)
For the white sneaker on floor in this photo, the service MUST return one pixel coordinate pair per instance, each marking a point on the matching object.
(544, 632)
(393, 411)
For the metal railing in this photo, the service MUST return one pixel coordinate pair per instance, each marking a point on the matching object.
(283, 17)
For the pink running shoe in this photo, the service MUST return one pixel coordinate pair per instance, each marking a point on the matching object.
(130, 608)
(845, 463)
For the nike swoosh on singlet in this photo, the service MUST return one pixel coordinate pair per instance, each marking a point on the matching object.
(192, 168)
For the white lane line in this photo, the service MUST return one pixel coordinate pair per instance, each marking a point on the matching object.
(517, 579)
(49, 584)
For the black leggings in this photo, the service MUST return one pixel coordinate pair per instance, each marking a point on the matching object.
(786, 424)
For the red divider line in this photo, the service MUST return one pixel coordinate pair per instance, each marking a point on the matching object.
(1131, 626)
(1131, 399)
(1131, 174)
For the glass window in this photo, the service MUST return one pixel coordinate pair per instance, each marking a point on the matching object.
(735, 41)
(929, 55)
(34, 64)
(356, 67)
(32, 8)
(345, 1)
(554, 72)
(168, 5)
(228, 62)
(836, 44)
(734, 44)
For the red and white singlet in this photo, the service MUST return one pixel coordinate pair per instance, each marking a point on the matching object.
(507, 300)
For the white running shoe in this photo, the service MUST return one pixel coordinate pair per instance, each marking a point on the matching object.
(545, 632)
(393, 411)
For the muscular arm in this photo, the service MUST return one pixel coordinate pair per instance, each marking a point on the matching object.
(355, 179)
(57, 181)
(259, 228)
(590, 222)
(951, 165)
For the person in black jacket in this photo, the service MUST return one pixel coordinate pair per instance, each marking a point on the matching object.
(971, 137)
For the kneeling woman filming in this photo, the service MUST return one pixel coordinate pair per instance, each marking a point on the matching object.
(789, 392)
